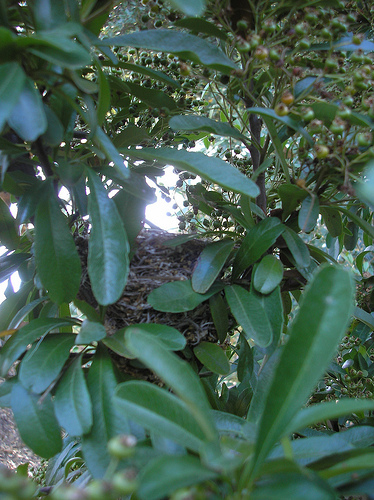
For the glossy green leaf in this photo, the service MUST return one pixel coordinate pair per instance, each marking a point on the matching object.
(297, 247)
(178, 296)
(175, 372)
(258, 240)
(159, 411)
(362, 223)
(333, 221)
(291, 196)
(67, 53)
(8, 233)
(48, 14)
(201, 25)
(364, 460)
(273, 306)
(213, 357)
(360, 257)
(210, 263)
(304, 358)
(12, 81)
(191, 8)
(6, 387)
(19, 341)
(196, 122)
(90, 331)
(218, 310)
(250, 314)
(27, 117)
(108, 248)
(268, 274)
(73, 402)
(169, 337)
(89, 311)
(152, 97)
(116, 343)
(103, 103)
(156, 75)
(56, 256)
(108, 421)
(166, 474)
(183, 45)
(36, 422)
(208, 167)
(54, 134)
(106, 145)
(308, 213)
(350, 240)
(245, 361)
(43, 363)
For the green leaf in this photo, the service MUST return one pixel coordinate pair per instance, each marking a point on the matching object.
(364, 460)
(108, 421)
(362, 223)
(152, 97)
(360, 257)
(116, 343)
(268, 274)
(56, 256)
(8, 233)
(291, 196)
(36, 422)
(108, 248)
(327, 301)
(191, 8)
(12, 81)
(27, 117)
(273, 306)
(91, 331)
(178, 296)
(89, 311)
(44, 361)
(333, 221)
(210, 263)
(48, 14)
(250, 314)
(195, 122)
(201, 25)
(103, 142)
(208, 167)
(103, 103)
(19, 341)
(213, 357)
(169, 337)
(166, 474)
(143, 70)
(159, 411)
(319, 413)
(350, 240)
(258, 240)
(308, 213)
(72, 401)
(54, 134)
(245, 361)
(297, 247)
(183, 45)
(218, 310)
(176, 373)
(6, 390)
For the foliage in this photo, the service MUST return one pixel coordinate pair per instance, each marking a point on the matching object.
(266, 112)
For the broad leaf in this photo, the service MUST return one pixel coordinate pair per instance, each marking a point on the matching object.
(108, 248)
(183, 45)
(333, 221)
(56, 256)
(250, 314)
(210, 263)
(291, 196)
(178, 296)
(308, 213)
(44, 361)
(297, 247)
(159, 411)
(208, 167)
(12, 80)
(166, 474)
(268, 274)
(313, 341)
(73, 402)
(91, 331)
(196, 122)
(191, 8)
(258, 240)
(169, 337)
(36, 422)
(19, 341)
(213, 357)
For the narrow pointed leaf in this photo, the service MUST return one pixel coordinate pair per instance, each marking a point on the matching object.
(250, 314)
(212, 357)
(36, 422)
(308, 213)
(111, 152)
(268, 274)
(44, 361)
(208, 167)
(195, 122)
(210, 263)
(315, 334)
(108, 249)
(297, 247)
(73, 402)
(218, 310)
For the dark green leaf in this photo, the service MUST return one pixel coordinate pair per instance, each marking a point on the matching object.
(245, 361)
(56, 256)
(201, 25)
(213, 357)
(152, 97)
(6, 390)
(27, 117)
(210, 263)
(268, 274)
(273, 306)
(89, 311)
(250, 314)
(36, 422)
(44, 361)
(8, 233)
(195, 122)
(48, 14)
(169, 337)
(116, 343)
(73, 402)
(91, 331)
(350, 240)
(108, 248)
(178, 296)
(191, 8)
(291, 196)
(304, 86)
(68, 54)
(54, 134)
(12, 78)
(110, 151)
(258, 240)
(308, 213)
(183, 45)
(103, 103)
(218, 310)
(19, 341)
(208, 167)
(297, 247)
(333, 221)
(362, 223)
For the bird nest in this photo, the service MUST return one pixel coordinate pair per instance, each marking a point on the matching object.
(153, 264)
